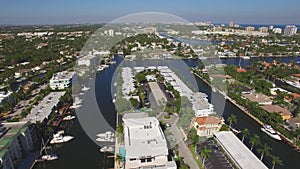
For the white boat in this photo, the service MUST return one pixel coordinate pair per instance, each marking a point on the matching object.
(270, 131)
(108, 136)
(69, 117)
(59, 138)
(49, 157)
(245, 57)
(76, 104)
(107, 149)
(85, 88)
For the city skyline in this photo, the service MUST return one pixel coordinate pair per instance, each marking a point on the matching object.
(69, 12)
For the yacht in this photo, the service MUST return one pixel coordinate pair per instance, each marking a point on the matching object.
(270, 131)
(59, 138)
(106, 137)
(49, 157)
(69, 117)
(76, 104)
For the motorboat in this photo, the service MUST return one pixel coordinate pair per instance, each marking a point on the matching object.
(69, 117)
(107, 149)
(271, 132)
(85, 88)
(60, 138)
(108, 136)
(49, 157)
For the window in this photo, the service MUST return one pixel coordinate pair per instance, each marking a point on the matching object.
(143, 160)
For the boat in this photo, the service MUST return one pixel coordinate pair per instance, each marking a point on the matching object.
(49, 157)
(235, 130)
(60, 138)
(69, 117)
(270, 131)
(108, 136)
(85, 88)
(76, 104)
(107, 149)
(245, 57)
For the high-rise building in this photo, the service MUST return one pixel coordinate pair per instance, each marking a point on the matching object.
(271, 27)
(290, 30)
(230, 24)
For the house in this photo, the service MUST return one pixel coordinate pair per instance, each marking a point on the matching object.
(61, 80)
(206, 126)
(295, 122)
(241, 70)
(285, 114)
(259, 98)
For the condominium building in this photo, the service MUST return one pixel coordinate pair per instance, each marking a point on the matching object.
(277, 30)
(16, 142)
(250, 28)
(61, 80)
(145, 143)
(290, 30)
(263, 29)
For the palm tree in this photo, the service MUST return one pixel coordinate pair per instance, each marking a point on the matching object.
(276, 160)
(264, 150)
(255, 140)
(205, 153)
(246, 133)
(297, 134)
(118, 158)
(232, 119)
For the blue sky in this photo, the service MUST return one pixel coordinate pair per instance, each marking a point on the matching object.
(91, 11)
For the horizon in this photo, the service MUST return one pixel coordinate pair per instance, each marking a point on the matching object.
(75, 12)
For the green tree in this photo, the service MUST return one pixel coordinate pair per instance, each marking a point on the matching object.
(255, 140)
(231, 119)
(276, 160)
(246, 133)
(265, 150)
(205, 153)
(192, 135)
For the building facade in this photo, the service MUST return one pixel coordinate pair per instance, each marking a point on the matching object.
(206, 126)
(61, 80)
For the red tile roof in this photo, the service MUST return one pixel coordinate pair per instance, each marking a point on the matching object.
(207, 120)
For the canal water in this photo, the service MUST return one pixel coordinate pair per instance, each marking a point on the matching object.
(83, 152)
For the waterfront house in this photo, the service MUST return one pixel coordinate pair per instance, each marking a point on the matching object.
(206, 126)
(259, 98)
(61, 80)
(294, 122)
(285, 114)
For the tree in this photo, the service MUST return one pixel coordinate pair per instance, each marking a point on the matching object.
(205, 153)
(297, 134)
(118, 158)
(276, 160)
(192, 135)
(264, 150)
(232, 119)
(255, 140)
(246, 133)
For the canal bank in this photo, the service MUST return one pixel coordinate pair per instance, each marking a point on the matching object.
(279, 148)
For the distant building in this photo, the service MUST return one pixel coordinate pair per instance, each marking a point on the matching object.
(263, 29)
(285, 114)
(250, 28)
(17, 140)
(145, 143)
(277, 30)
(87, 60)
(231, 24)
(241, 70)
(271, 27)
(290, 30)
(206, 126)
(295, 122)
(61, 80)
(259, 98)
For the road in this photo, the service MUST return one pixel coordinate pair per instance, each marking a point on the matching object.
(183, 149)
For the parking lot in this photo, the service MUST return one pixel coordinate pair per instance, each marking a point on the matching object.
(217, 158)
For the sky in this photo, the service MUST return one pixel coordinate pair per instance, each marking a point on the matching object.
(22, 12)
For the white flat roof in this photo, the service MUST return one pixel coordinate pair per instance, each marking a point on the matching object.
(144, 137)
(239, 153)
(44, 108)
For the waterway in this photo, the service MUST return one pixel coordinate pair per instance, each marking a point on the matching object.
(83, 152)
